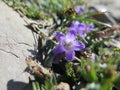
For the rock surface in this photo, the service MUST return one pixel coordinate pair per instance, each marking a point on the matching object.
(16, 42)
(112, 6)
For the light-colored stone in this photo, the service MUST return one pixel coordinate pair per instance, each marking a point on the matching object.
(15, 42)
(112, 6)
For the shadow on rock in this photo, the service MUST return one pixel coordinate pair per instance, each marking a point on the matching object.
(16, 85)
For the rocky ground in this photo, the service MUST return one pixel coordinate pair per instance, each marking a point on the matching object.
(17, 42)
(112, 6)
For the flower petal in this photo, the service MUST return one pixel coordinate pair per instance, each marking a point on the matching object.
(82, 26)
(78, 9)
(78, 45)
(75, 24)
(58, 35)
(70, 55)
(70, 35)
(58, 49)
(90, 27)
(72, 30)
(81, 33)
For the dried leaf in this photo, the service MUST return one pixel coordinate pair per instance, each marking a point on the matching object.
(37, 68)
(108, 31)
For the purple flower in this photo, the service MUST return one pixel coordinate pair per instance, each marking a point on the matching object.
(90, 27)
(78, 9)
(67, 44)
(78, 28)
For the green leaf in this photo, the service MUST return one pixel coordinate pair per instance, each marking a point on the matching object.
(116, 82)
(35, 85)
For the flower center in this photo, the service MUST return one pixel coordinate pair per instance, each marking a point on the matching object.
(67, 44)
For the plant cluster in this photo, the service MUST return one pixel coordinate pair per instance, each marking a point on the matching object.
(77, 52)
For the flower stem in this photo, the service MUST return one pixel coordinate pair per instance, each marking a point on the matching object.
(77, 59)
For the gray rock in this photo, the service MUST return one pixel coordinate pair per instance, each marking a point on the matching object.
(112, 6)
(16, 42)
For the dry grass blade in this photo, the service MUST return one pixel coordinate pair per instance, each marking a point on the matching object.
(108, 31)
